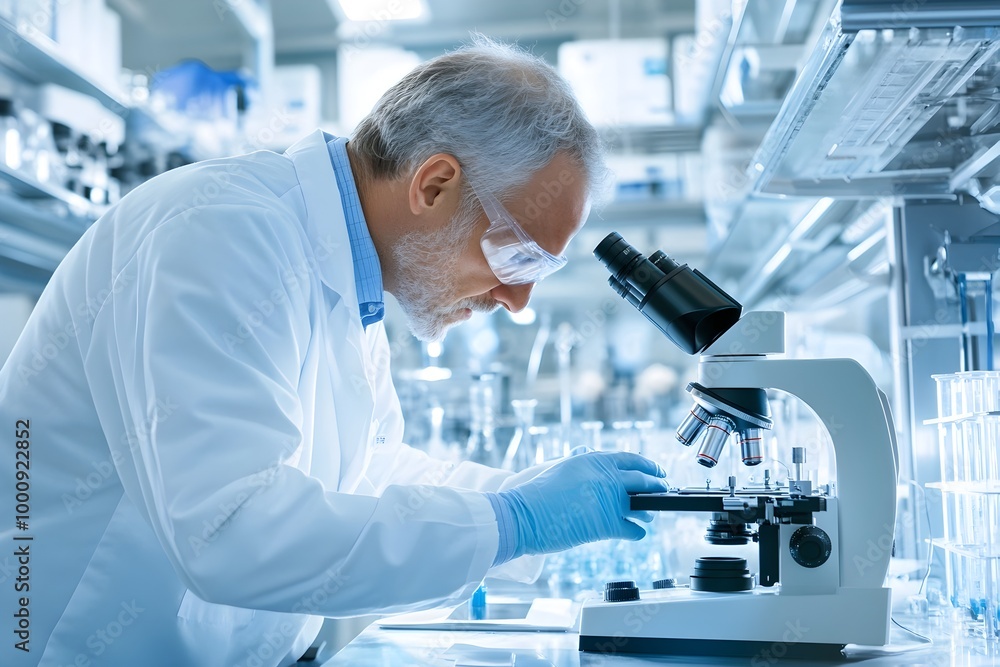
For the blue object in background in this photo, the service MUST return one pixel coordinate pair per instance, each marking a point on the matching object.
(477, 604)
(196, 90)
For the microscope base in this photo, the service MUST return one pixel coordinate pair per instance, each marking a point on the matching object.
(761, 622)
(716, 648)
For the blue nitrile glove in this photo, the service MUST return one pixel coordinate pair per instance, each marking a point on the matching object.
(534, 471)
(578, 500)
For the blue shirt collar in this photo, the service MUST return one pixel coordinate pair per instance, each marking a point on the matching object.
(367, 270)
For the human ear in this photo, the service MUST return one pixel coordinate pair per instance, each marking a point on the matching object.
(435, 185)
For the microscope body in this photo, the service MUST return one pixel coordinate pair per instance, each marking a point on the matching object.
(824, 553)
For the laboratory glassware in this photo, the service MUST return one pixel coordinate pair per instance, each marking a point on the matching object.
(482, 446)
(11, 145)
(968, 426)
(521, 452)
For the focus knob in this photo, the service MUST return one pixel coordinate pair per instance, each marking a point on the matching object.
(620, 591)
(810, 546)
(661, 584)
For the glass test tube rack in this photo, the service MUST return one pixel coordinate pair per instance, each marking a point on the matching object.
(969, 433)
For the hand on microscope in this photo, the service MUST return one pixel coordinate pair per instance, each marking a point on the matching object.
(534, 471)
(580, 499)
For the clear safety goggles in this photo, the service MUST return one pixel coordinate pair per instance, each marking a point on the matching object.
(514, 257)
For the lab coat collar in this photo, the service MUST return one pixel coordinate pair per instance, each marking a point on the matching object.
(325, 224)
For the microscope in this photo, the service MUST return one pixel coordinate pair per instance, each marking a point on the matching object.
(823, 551)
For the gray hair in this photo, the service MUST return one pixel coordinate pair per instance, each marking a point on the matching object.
(500, 111)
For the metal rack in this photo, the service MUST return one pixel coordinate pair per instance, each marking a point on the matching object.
(39, 222)
(882, 110)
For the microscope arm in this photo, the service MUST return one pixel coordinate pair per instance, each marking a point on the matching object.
(855, 413)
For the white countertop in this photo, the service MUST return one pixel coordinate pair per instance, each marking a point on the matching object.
(401, 648)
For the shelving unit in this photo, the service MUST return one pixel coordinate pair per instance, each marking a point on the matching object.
(27, 187)
(968, 427)
(39, 222)
(37, 60)
(653, 139)
(653, 209)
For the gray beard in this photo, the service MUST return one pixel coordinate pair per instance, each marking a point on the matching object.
(425, 279)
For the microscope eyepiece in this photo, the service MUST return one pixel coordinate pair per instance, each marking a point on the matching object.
(692, 312)
(617, 255)
(682, 303)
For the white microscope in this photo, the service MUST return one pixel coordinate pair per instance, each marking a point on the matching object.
(824, 552)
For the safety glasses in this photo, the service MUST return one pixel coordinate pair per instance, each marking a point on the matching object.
(514, 257)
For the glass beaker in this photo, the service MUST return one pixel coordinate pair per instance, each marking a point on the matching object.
(482, 447)
(521, 450)
(543, 440)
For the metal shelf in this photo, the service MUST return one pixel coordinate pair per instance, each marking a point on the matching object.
(29, 188)
(38, 61)
(644, 209)
(653, 139)
(858, 119)
(976, 551)
(979, 488)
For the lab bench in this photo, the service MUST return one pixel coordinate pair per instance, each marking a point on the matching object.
(376, 647)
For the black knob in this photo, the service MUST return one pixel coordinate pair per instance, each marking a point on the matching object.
(620, 591)
(721, 574)
(810, 546)
(660, 584)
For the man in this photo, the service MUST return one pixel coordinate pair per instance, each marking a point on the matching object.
(203, 393)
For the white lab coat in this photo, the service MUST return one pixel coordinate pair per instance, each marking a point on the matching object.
(215, 442)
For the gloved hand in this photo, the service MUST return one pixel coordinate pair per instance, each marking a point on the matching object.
(534, 471)
(580, 499)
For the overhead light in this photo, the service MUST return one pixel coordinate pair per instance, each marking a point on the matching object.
(779, 257)
(434, 349)
(866, 245)
(810, 219)
(384, 10)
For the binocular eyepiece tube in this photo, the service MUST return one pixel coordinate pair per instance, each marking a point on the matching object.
(684, 305)
(692, 312)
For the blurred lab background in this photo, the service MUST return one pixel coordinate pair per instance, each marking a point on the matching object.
(852, 184)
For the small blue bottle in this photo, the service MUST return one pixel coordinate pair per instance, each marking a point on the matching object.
(477, 604)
